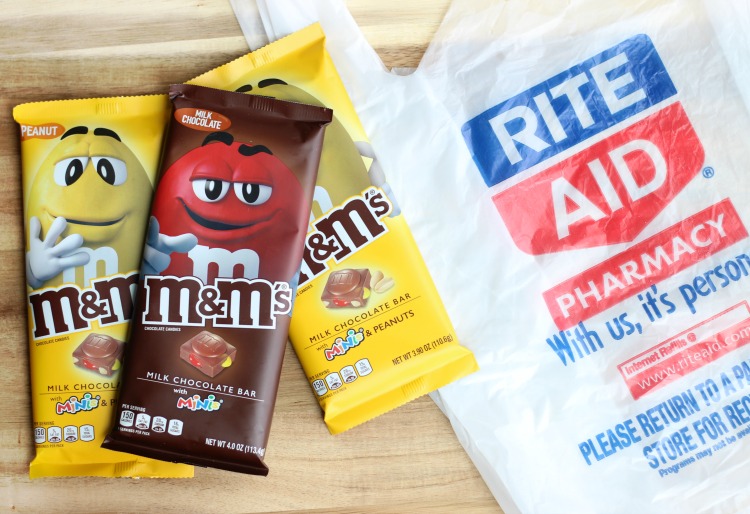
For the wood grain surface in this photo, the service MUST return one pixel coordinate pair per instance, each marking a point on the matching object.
(405, 461)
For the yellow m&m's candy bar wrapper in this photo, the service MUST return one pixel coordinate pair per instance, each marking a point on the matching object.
(368, 324)
(88, 171)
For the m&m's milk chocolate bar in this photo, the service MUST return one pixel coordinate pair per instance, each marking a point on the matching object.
(220, 266)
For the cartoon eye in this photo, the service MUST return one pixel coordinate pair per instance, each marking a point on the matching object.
(69, 170)
(252, 194)
(210, 190)
(113, 171)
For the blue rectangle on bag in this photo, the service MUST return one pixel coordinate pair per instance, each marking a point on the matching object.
(567, 109)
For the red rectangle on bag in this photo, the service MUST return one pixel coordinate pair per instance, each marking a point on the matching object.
(643, 264)
(688, 351)
(606, 193)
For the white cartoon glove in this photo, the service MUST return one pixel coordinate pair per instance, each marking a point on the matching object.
(45, 259)
(156, 254)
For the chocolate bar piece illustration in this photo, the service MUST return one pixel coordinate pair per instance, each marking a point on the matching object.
(208, 353)
(99, 353)
(347, 288)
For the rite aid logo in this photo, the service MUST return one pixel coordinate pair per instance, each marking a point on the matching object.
(607, 192)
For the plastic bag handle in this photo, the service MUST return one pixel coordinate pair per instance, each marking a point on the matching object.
(348, 47)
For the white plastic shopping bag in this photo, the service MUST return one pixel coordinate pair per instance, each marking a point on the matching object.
(613, 147)
(576, 177)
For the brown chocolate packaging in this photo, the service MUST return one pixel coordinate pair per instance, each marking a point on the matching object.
(217, 283)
